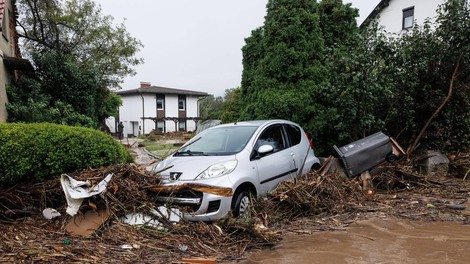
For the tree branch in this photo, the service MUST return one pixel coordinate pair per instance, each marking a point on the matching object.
(413, 146)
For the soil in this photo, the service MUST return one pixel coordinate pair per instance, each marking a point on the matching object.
(315, 203)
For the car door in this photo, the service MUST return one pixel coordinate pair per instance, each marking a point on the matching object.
(277, 165)
(299, 151)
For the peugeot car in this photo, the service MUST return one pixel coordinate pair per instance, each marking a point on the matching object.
(251, 158)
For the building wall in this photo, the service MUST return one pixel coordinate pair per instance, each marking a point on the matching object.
(193, 111)
(130, 113)
(391, 16)
(6, 49)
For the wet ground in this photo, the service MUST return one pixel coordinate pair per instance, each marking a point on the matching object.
(374, 241)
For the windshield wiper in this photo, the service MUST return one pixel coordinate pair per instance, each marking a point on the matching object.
(190, 153)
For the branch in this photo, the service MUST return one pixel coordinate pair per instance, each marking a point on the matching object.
(438, 110)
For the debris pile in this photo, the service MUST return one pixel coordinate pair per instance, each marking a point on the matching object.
(460, 164)
(27, 235)
(317, 201)
(310, 195)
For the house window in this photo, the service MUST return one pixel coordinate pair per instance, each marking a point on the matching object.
(408, 17)
(161, 126)
(160, 102)
(182, 126)
(181, 102)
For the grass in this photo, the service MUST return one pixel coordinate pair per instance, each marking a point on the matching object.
(159, 149)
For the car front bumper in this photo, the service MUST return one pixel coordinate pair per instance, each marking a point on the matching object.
(200, 207)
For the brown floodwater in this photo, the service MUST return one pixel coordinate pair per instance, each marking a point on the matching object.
(374, 241)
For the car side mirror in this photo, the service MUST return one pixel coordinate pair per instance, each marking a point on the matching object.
(260, 152)
(264, 149)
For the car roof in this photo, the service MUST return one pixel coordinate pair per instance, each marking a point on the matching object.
(256, 123)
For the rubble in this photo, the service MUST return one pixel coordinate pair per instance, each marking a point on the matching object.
(322, 200)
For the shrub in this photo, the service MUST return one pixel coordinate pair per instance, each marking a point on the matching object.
(38, 151)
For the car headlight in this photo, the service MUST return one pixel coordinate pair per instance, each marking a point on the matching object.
(159, 166)
(217, 170)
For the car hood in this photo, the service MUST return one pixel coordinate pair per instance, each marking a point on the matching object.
(187, 168)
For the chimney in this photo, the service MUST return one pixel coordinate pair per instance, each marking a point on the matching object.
(145, 84)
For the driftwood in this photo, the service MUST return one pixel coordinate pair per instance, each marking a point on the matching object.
(222, 191)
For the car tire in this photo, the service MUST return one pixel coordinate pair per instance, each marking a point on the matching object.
(241, 203)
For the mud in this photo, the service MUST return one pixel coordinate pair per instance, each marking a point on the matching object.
(374, 241)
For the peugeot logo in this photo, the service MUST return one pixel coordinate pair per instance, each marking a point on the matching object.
(175, 176)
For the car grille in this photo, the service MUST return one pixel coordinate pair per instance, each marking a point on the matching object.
(189, 201)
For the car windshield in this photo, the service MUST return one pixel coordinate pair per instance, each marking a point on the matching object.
(218, 141)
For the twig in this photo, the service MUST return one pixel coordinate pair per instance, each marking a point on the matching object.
(446, 99)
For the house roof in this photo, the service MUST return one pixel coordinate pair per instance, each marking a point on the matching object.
(381, 5)
(160, 90)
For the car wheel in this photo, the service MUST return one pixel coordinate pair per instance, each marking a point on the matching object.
(241, 204)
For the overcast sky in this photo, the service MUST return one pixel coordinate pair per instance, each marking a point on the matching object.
(193, 45)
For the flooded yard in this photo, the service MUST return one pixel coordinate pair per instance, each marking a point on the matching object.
(374, 241)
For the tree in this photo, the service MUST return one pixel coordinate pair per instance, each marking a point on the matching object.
(78, 55)
(435, 61)
(232, 108)
(211, 107)
(61, 92)
(283, 63)
(421, 81)
(287, 71)
(77, 28)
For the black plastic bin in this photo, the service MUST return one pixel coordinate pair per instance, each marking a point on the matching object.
(360, 156)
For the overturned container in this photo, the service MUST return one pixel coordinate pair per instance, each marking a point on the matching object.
(361, 155)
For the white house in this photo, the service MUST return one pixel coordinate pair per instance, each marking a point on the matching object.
(398, 15)
(158, 108)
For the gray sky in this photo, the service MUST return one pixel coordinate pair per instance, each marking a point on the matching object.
(194, 45)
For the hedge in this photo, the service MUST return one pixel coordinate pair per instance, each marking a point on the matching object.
(39, 151)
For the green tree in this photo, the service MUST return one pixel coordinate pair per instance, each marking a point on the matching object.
(78, 28)
(287, 68)
(60, 91)
(284, 61)
(79, 55)
(420, 81)
(211, 107)
(232, 108)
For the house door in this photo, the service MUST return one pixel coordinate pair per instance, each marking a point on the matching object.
(135, 128)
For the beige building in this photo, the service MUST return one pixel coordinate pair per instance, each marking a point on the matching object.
(10, 55)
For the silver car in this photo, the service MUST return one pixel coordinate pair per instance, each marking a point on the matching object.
(251, 158)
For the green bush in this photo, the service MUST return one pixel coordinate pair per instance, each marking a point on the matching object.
(38, 151)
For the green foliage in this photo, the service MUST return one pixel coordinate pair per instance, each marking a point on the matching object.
(288, 71)
(283, 59)
(417, 69)
(78, 55)
(308, 63)
(211, 107)
(60, 91)
(231, 108)
(40, 151)
(78, 28)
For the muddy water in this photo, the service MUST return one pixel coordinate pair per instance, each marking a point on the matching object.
(375, 241)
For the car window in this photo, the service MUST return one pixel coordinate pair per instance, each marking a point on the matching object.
(220, 141)
(272, 136)
(294, 134)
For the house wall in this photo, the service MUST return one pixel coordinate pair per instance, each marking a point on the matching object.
(391, 16)
(6, 49)
(130, 112)
(192, 110)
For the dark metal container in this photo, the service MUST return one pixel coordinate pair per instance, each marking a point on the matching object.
(360, 156)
